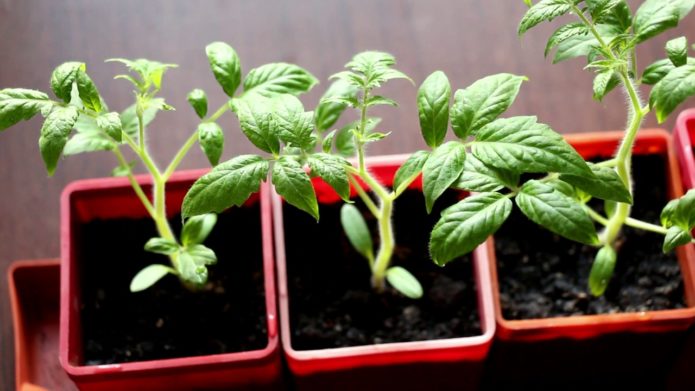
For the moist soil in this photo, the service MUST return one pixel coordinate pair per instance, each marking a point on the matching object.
(332, 303)
(542, 275)
(168, 320)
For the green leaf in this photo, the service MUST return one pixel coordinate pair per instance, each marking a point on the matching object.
(655, 16)
(110, 123)
(293, 184)
(254, 114)
(483, 101)
(63, 78)
(149, 276)
(88, 92)
(327, 143)
(605, 82)
(544, 10)
(677, 51)
(676, 236)
(201, 255)
(600, 9)
(129, 117)
(161, 246)
(19, 104)
(409, 171)
(564, 33)
(368, 61)
(192, 270)
(548, 207)
(602, 270)
(467, 224)
(279, 78)
(344, 141)
(88, 141)
(150, 72)
(677, 86)
(230, 183)
(433, 108)
(225, 65)
(374, 136)
(328, 111)
(521, 144)
(479, 177)
(442, 169)
(582, 45)
(120, 170)
(659, 69)
(197, 228)
(357, 231)
(295, 127)
(404, 282)
(680, 212)
(54, 135)
(199, 101)
(376, 100)
(606, 184)
(331, 169)
(211, 141)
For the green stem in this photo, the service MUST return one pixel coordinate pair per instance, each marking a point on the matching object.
(595, 215)
(385, 252)
(180, 155)
(136, 186)
(364, 196)
(643, 225)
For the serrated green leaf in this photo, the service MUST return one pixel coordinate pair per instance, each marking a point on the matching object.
(89, 94)
(150, 72)
(376, 100)
(327, 143)
(199, 101)
(606, 184)
(483, 101)
(197, 228)
(602, 270)
(374, 136)
(279, 78)
(563, 187)
(328, 111)
(433, 108)
(357, 231)
(548, 207)
(521, 144)
(88, 141)
(409, 170)
(344, 142)
(544, 10)
(442, 168)
(655, 16)
(54, 135)
(659, 69)
(677, 51)
(295, 127)
(229, 183)
(605, 82)
(293, 184)
(19, 104)
(110, 123)
(161, 246)
(63, 78)
(582, 45)
(479, 177)
(467, 224)
(564, 33)
(404, 282)
(331, 169)
(366, 62)
(211, 140)
(225, 65)
(676, 236)
(149, 276)
(255, 119)
(599, 9)
(677, 86)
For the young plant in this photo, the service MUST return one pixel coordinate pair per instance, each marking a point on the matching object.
(280, 127)
(607, 34)
(80, 106)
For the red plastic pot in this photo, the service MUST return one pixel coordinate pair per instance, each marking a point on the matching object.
(34, 287)
(683, 136)
(609, 343)
(108, 198)
(392, 365)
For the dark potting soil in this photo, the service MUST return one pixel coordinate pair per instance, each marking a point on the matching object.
(332, 303)
(168, 320)
(542, 275)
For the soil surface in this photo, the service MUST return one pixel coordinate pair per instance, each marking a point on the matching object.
(167, 320)
(542, 275)
(332, 303)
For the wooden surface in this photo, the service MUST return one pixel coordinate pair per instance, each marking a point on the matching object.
(467, 39)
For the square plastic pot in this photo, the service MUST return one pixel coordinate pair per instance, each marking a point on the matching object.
(605, 346)
(684, 137)
(111, 198)
(404, 365)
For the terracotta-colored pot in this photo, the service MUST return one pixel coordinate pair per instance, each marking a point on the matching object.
(111, 198)
(34, 286)
(392, 365)
(579, 346)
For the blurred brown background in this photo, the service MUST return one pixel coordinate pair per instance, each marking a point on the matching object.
(467, 39)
